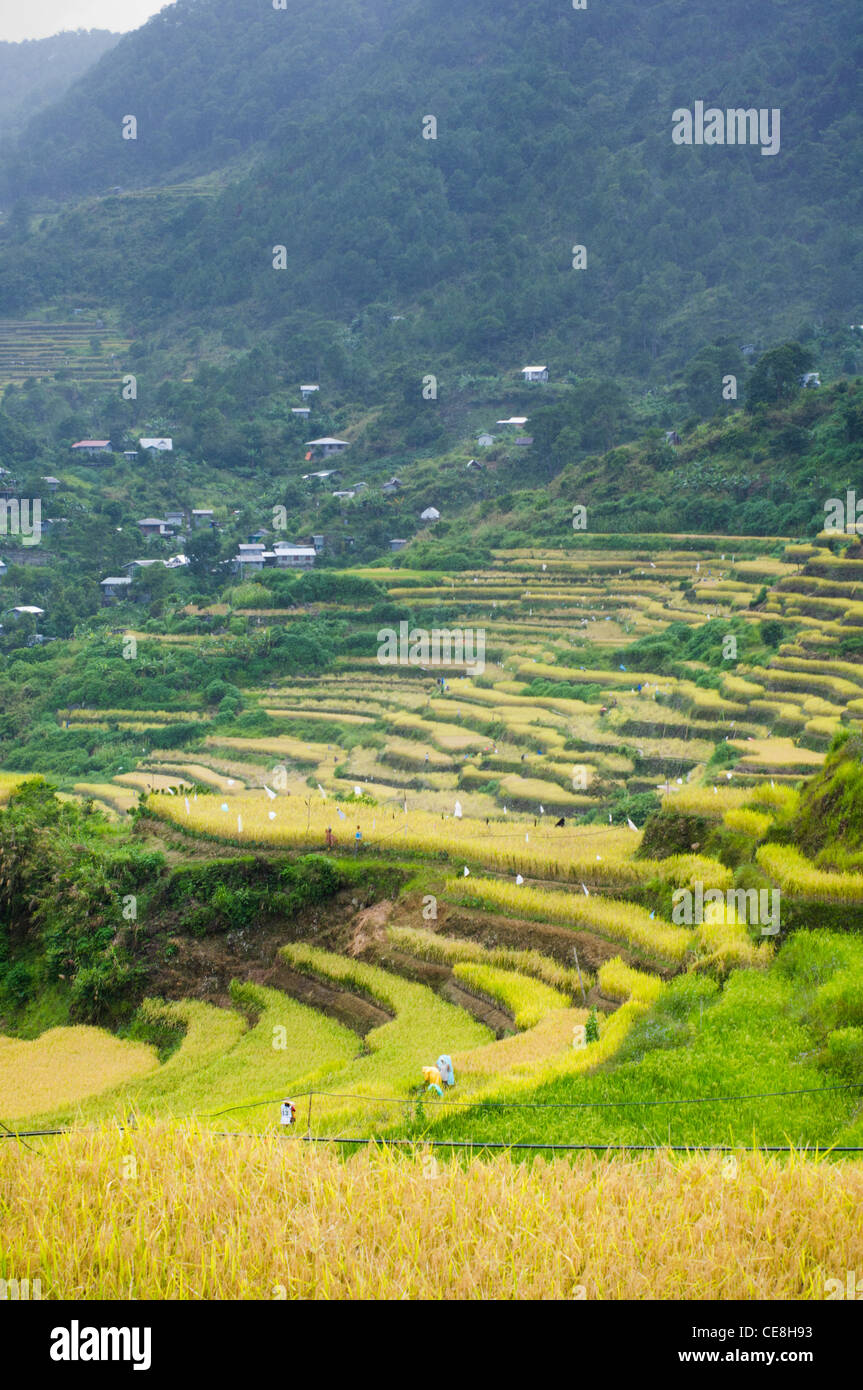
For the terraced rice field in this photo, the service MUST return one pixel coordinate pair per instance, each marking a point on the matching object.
(501, 783)
(64, 1066)
(242, 1060)
(41, 349)
(515, 741)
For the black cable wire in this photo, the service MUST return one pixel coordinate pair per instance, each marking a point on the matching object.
(13, 1134)
(538, 1105)
(423, 1143)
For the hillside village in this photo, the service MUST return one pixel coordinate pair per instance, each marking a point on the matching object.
(488, 456)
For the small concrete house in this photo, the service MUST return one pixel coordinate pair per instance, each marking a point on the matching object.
(392, 486)
(153, 526)
(319, 543)
(51, 483)
(201, 517)
(430, 514)
(302, 410)
(474, 465)
(91, 448)
(115, 588)
(131, 455)
(306, 391)
(135, 565)
(485, 440)
(157, 446)
(327, 446)
(517, 420)
(535, 373)
(398, 544)
(250, 559)
(672, 437)
(810, 380)
(176, 518)
(300, 557)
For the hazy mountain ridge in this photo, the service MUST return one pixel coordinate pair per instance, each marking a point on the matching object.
(35, 72)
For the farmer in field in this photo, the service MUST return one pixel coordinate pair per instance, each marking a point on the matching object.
(445, 1067)
(358, 839)
(330, 840)
(432, 1079)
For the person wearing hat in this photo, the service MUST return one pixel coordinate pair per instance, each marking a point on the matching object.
(288, 1112)
(444, 1066)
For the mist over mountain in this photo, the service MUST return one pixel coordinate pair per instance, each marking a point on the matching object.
(36, 72)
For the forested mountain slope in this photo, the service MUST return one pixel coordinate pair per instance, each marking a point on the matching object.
(553, 130)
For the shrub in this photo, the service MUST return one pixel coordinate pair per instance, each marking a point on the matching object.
(98, 991)
(839, 1003)
(845, 1052)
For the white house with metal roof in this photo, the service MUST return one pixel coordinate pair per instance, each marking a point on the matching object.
(327, 446)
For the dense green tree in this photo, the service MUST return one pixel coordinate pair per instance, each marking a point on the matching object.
(776, 375)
